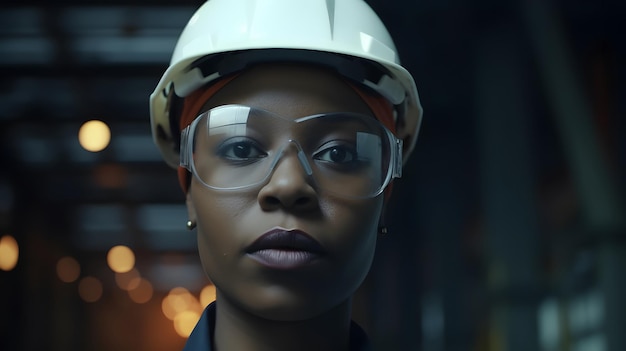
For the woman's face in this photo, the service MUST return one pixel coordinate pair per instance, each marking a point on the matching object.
(319, 247)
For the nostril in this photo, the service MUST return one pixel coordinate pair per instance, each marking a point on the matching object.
(302, 201)
(272, 201)
(277, 201)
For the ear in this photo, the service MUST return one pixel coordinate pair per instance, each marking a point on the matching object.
(191, 209)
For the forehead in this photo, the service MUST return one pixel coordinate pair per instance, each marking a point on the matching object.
(290, 90)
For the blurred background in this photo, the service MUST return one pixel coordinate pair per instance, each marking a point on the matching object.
(507, 231)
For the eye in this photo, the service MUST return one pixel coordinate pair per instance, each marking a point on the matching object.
(337, 153)
(240, 150)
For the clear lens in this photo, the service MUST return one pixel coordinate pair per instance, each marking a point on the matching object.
(236, 147)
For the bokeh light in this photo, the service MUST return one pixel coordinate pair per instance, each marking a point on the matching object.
(110, 176)
(94, 135)
(121, 259)
(9, 253)
(90, 289)
(207, 295)
(168, 308)
(128, 280)
(179, 300)
(183, 308)
(142, 293)
(184, 322)
(68, 269)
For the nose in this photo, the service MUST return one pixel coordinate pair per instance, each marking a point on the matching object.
(290, 185)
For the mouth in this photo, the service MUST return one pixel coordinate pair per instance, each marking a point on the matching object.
(280, 248)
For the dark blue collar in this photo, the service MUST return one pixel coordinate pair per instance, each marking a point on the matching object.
(201, 338)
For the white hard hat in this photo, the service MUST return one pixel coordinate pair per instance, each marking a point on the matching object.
(224, 36)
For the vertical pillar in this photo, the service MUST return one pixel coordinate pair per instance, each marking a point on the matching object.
(507, 187)
(603, 215)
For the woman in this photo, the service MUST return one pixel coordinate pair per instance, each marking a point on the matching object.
(288, 121)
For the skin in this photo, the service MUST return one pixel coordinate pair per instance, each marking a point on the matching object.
(309, 308)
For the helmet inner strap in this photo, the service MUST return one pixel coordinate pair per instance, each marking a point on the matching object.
(362, 71)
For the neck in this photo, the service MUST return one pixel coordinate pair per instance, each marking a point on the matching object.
(236, 329)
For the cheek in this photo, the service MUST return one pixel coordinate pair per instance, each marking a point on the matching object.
(218, 241)
(355, 221)
(356, 229)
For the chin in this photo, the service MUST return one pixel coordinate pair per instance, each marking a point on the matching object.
(279, 304)
(285, 312)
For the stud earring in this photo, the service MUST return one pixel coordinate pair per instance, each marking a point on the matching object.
(382, 230)
(191, 224)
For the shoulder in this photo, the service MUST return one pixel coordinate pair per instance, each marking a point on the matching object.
(358, 339)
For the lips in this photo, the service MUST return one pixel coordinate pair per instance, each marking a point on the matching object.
(285, 249)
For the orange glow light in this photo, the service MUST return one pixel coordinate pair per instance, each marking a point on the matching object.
(9, 253)
(90, 289)
(184, 322)
(110, 176)
(207, 295)
(68, 269)
(142, 293)
(128, 280)
(121, 259)
(179, 300)
(168, 309)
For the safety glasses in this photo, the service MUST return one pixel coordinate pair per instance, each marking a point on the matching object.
(237, 148)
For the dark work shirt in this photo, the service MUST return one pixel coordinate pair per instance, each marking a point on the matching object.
(201, 338)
